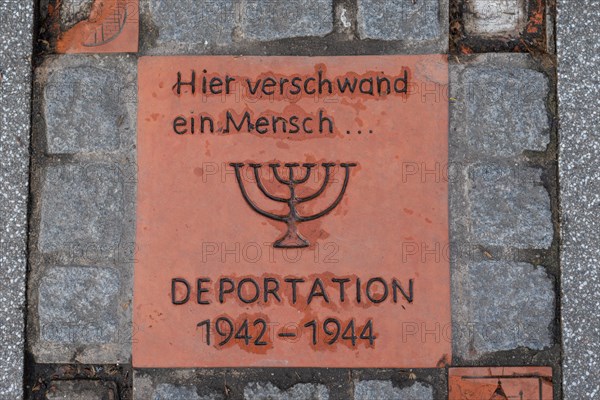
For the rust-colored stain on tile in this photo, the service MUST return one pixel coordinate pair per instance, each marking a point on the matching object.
(292, 211)
(500, 383)
(111, 27)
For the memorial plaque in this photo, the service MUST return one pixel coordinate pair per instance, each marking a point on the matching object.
(292, 212)
(500, 383)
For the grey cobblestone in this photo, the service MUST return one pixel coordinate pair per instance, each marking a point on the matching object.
(368, 390)
(80, 314)
(166, 391)
(184, 22)
(503, 110)
(495, 17)
(89, 104)
(302, 391)
(514, 309)
(78, 305)
(81, 390)
(279, 19)
(179, 384)
(509, 207)
(81, 203)
(400, 19)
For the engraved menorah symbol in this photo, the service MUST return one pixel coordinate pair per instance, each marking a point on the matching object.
(292, 238)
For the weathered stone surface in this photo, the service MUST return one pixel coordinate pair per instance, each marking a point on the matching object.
(579, 167)
(368, 390)
(495, 17)
(82, 390)
(74, 11)
(400, 19)
(509, 207)
(279, 19)
(81, 204)
(303, 391)
(184, 22)
(503, 306)
(80, 314)
(166, 391)
(88, 104)
(78, 305)
(505, 110)
(81, 111)
(178, 384)
(16, 31)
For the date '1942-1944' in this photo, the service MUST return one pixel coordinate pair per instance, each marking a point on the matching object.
(255, 332)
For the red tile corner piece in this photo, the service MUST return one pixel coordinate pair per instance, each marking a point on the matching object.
(500, 383)
(112, 27)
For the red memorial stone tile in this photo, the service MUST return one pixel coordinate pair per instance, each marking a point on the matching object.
(500, 383)
(292, 212)
(112, 27)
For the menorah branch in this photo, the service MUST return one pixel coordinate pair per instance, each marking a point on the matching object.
(309, 168)
(262, 188)
(337, 200)
(323, 185)
(238, 176)
(277, 176)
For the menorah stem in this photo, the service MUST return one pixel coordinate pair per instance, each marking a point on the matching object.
(292, 238)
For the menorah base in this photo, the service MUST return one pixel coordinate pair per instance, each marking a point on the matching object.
(291, 240)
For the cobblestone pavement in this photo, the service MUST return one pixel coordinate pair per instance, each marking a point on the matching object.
(507, 302)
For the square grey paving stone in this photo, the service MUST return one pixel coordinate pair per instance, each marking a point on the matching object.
(82, 204)
(89, 103)
(498, 107)
(80, 314)
(301, 391)
(181, 23)
(280, 19)
(401, 19)
(498, 18)
(368, 390)
(506, 110)
(502, 306)
(78, 305)
(509, 207)
(167, 391)
(174, 384)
